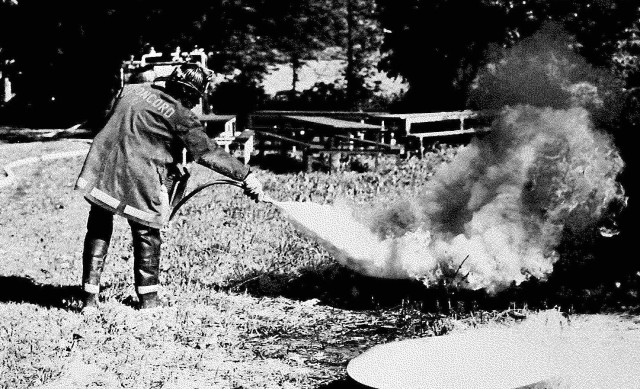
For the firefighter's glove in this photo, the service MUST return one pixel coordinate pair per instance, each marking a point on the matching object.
(253, 187)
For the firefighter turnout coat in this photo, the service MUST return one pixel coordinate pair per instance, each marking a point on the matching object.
(131, 166)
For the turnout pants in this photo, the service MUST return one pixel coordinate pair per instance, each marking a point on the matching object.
(146, 252)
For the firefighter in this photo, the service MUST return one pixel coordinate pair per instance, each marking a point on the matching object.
(134, 166)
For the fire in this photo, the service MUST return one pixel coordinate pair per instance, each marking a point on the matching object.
(498, 212)
(492, 216)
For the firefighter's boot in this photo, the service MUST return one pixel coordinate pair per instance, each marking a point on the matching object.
(92, 266)
(149, 300)
(96, 245)
(146, 265)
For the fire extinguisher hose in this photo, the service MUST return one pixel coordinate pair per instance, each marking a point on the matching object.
(264, 197)
(199, 188)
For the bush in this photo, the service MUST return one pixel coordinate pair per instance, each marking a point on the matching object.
(324, 96)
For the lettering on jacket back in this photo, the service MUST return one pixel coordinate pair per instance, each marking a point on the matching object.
(154, 101)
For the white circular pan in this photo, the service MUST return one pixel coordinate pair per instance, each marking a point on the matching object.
(473, 360)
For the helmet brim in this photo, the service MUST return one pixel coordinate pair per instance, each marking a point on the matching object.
(185, 84)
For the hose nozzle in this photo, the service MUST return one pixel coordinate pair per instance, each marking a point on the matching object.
(268, 199)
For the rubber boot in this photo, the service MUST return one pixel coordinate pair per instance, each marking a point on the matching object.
(89, 302)
(146, 264)
(96, 245)
(92, 270)
(149, 300)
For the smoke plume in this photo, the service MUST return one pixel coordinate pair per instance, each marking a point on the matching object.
(492, 216)
(496, 213)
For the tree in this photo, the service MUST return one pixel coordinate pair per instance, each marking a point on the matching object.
(437, 46)
(68, 54)
(64, 61)
(363, 37)
(297, 30)
(440, 45)
(626, 62)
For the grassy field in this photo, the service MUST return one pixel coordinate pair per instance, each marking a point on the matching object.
(245, 308)
(249, 302)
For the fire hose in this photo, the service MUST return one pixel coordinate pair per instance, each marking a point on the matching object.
(199, 188)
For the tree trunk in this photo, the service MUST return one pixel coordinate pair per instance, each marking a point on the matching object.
(350, 75)
(295, 65)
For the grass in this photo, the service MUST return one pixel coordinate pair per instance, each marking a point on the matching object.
(245, 308)
(249, 302)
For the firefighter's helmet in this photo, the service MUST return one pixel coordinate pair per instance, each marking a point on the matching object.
(192, 76)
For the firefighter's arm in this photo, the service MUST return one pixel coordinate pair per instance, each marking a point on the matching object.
(206, 152)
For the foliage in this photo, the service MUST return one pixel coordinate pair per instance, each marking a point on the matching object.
(439, 46)
(321, 96)
(60, 43)
(324, 96)
(298, 30)
(454, 39)
(362, 38)
(237, 96)
(66, 62)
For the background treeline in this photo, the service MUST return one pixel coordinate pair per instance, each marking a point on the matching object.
(63, 58)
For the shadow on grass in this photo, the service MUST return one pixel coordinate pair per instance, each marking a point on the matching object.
(344, 383)
(17, 289)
